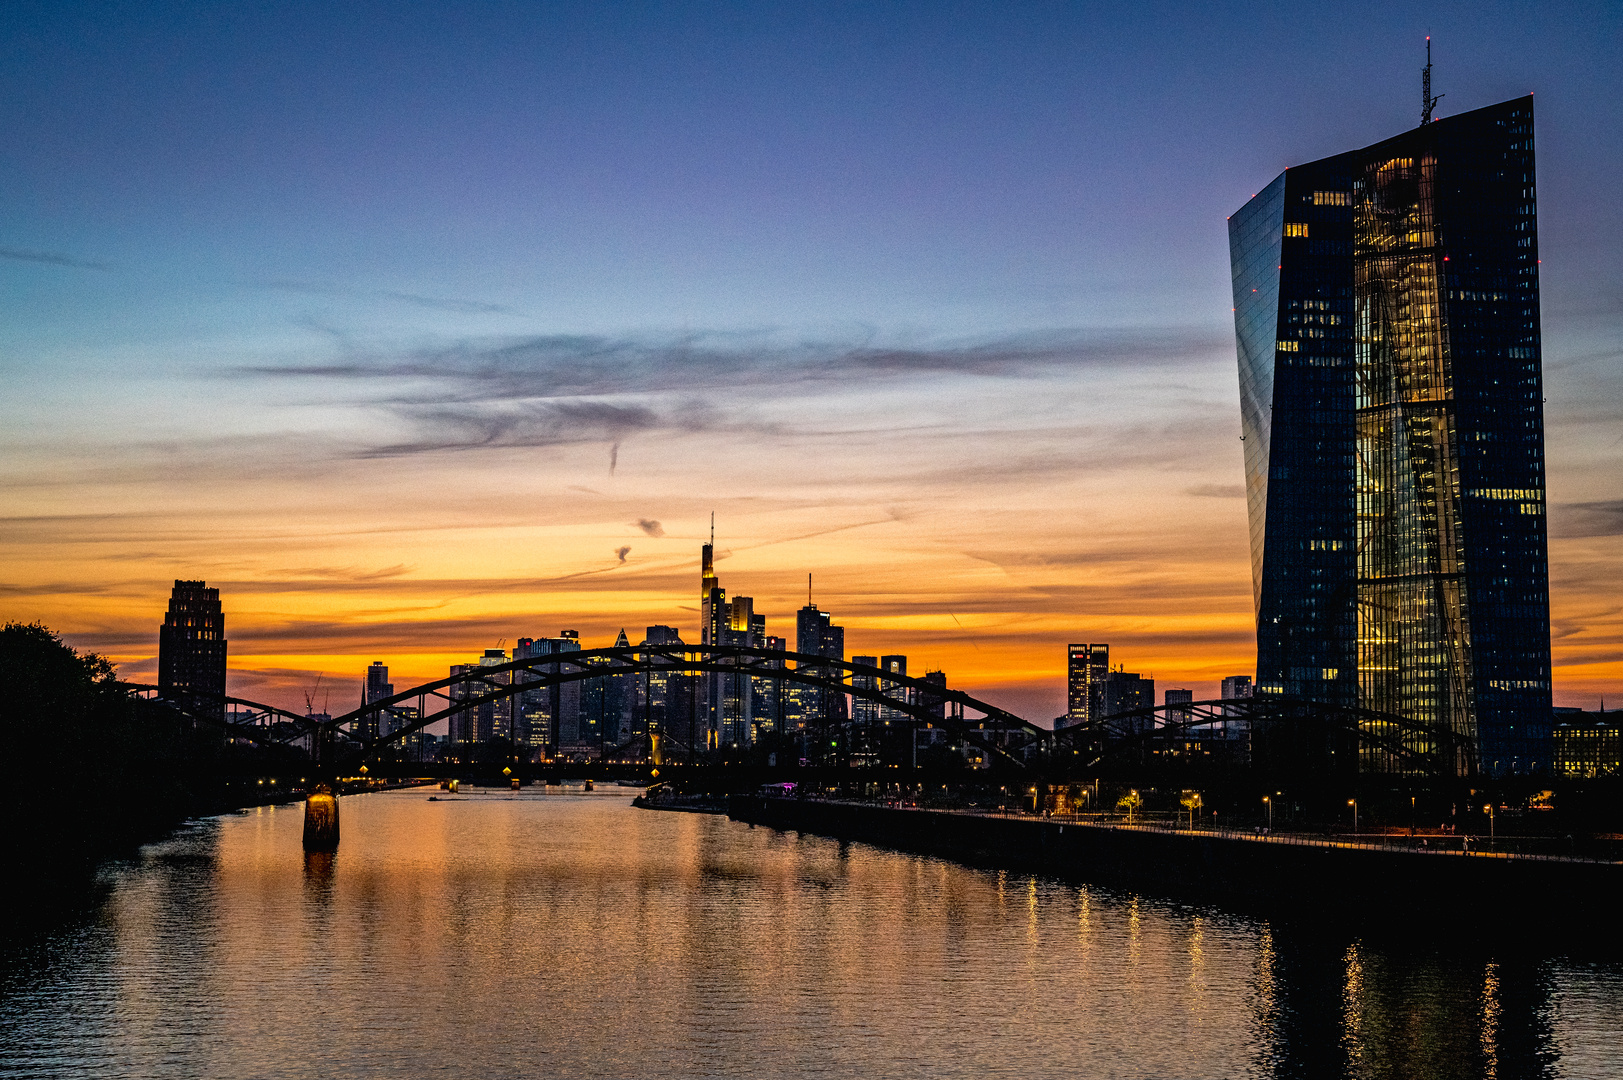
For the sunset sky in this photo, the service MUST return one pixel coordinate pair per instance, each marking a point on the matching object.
(400, 323)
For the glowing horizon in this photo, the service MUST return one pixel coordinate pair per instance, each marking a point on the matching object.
(397, 326)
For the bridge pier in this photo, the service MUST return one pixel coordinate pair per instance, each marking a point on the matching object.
(321, 819)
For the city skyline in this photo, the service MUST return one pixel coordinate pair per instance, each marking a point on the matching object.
(954, 343)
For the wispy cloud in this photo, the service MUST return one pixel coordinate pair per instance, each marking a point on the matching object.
(556, 366)
(51, 259)
(1574, 520)
(1216, 491)
(467, 426)
(349, 573)
(651, 527)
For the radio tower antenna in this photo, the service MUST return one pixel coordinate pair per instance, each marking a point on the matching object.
(1427, 102)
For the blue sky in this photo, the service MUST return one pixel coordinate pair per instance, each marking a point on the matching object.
(246, 243)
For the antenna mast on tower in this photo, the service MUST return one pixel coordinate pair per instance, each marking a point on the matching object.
(1427, 102)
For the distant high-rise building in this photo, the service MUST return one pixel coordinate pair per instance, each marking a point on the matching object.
(550, 717)
(730, 705)
(1178, 697)
(1086, 668)
(606, 702)
(933, 698)
(864, 711)
(1236, 686)
(652, 703)
(1386, 307)
(817, 635)
(462, 723)
(191, 650)
(1126, 690)
(769, 695)
(894, 690)
(494, 719)
(378, 687)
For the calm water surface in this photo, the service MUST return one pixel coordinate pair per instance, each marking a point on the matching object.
(567, 934)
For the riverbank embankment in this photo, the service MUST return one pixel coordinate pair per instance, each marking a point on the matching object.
(1276, 872)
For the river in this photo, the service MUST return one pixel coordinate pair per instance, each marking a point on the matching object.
(568, 934)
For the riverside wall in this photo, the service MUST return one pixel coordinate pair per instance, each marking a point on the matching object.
(1275, 873)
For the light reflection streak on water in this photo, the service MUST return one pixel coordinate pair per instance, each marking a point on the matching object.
(572, 935)
(1353, 1009)
(1490, 1021)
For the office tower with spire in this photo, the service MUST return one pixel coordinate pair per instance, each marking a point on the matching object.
(729, 698)
(1386, 307)
(817, 635)
(191, 650)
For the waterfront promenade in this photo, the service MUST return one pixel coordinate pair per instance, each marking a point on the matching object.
(1305, 873)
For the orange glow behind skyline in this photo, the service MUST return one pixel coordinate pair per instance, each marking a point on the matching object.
(1090, 494)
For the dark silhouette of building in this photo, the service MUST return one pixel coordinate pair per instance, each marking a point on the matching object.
(864, 711)
(378, 687)
(933, 700)
(816, 635)
(893, 690)
(606, 702)
(1386, 310)
(1126, 690)
(1085, 671)
(549, 719)
(461, 723)
(769, 700)
(652, 704)
(191, 649)
(730, 699)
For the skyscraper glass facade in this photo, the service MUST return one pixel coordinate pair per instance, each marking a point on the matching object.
(1386, 315)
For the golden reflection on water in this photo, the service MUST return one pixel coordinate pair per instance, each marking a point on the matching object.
(573, 935)
(1352, 1021)
(1490, 1020)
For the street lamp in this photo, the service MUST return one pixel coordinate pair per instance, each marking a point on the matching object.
(1354, 804)
(1489, 809)
(1269, 803)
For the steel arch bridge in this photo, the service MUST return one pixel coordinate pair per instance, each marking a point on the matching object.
(1281, 735)
(988, 727)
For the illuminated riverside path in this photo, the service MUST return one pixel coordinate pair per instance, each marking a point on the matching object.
(556, 933)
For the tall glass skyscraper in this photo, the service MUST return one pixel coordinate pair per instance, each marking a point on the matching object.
(1386, 314)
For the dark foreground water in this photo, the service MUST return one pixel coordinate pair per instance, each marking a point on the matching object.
(571, 935)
